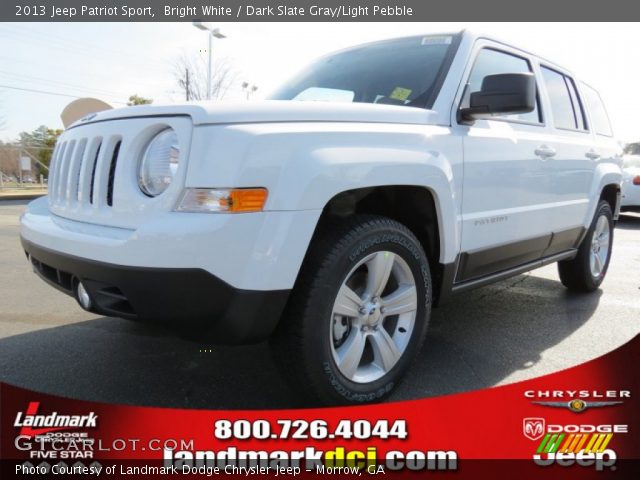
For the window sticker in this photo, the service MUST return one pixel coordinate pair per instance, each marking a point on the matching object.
(437, 40)
(400, 93)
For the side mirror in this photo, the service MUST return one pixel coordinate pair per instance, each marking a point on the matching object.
(502, 94)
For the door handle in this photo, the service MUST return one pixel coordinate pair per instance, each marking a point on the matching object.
(592, 155)
(544, 152)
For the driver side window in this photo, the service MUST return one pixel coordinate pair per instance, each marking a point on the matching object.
(491, 62)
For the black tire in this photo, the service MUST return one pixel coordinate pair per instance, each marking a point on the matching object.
(302, 344)
(576, 274)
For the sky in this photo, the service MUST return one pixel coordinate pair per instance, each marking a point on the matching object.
(111, 61)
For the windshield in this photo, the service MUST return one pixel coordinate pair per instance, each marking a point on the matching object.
(405, 71)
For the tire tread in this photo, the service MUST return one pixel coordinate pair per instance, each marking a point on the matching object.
(332, 237)
(575, 274)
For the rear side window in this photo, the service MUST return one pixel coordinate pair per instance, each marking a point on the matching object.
(566, 106)
(599, 117)
(492, 62)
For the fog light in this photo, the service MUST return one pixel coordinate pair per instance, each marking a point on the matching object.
(83, 296)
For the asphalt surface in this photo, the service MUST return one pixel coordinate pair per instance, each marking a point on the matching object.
(517, 329)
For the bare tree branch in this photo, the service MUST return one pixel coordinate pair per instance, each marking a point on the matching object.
(190, 72)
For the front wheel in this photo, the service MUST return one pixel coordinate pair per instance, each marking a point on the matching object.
(359, 312)
(587, 270)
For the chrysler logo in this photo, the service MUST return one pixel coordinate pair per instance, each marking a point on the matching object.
(577, 405)
(533, 428)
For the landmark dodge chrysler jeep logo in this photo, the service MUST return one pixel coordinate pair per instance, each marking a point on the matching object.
(50, 423)
(533, 428)
(584, 444)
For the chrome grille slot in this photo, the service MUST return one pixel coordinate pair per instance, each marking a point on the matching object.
(73, 179)
(94, 164)
(112, 172)
(52, 168)
(55, 169)
(63, 171)
(87, 171)
(101, 171)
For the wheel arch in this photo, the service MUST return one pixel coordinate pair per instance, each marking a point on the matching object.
(415, 206)
(611, 194)
(606, 186)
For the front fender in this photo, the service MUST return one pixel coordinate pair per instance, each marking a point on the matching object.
(304, 165)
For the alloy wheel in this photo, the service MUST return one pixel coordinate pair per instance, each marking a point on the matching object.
(373, 317)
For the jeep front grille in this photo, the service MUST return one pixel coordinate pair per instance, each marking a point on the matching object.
(93, 176)
(83, 171)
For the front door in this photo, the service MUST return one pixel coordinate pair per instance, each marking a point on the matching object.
(507, 199)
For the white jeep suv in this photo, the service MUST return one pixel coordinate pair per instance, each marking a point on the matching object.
(331, 218)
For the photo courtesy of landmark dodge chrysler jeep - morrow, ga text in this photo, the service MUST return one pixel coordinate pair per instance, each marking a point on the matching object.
(333, 216)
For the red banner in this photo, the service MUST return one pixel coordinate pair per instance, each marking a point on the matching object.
(577, 423)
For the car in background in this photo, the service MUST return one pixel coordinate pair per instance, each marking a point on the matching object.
(630, 184)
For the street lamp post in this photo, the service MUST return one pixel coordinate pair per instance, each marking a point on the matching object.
(213, 32)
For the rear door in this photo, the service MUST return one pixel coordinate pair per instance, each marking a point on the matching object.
(606, 147)
(571, 166)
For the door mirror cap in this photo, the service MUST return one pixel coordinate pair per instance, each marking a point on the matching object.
(501, 94)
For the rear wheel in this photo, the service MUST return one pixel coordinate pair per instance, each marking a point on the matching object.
(587, 270)
(358, 314)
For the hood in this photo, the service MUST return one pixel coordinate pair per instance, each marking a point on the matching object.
(204, 113)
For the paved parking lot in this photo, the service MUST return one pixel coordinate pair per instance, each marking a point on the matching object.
(516, 329)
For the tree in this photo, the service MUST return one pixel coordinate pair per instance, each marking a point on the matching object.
(9, 161)
(191, 76)
(40, 143)
(136, 99)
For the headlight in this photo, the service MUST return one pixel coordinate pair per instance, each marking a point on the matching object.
(159, 163)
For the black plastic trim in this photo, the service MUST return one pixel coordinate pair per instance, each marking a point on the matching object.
(558, 246)
(565, 240)
(495, 277)
(447, 281)
(479, 263)
(486, 261)
(191, 301)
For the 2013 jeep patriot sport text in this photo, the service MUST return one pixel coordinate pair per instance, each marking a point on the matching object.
(330, 218)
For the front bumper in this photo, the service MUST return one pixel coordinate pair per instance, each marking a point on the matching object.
(252, 251)
(191, 301)
(223, 278)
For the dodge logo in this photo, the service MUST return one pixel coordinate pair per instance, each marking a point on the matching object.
(533, 428)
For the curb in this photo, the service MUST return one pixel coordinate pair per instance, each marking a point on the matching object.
(21, 196)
